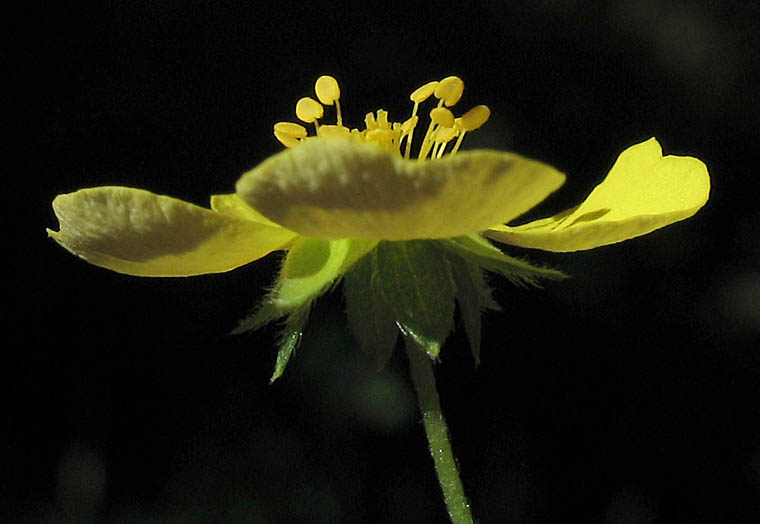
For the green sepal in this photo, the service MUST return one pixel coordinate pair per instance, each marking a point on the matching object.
(470, 256)
(409, 283)
(480, 252)
(417, 280)
(289, 338)
(370, 319)
(473, 297)
(311, 268)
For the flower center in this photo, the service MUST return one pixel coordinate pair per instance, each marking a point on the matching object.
(396, 137)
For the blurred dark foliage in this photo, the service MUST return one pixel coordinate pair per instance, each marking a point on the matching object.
(629, 393)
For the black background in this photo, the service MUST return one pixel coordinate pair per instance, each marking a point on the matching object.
(628, 393)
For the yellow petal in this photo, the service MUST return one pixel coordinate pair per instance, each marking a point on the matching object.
(140, 233)
(643, 191)
(334, 188)
(233, 205)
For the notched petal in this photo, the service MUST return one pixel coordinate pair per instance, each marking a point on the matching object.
(337, 188)
(140, 233)
(643, 191)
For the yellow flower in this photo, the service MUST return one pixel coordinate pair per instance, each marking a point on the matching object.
(407, 235)
(347, 183)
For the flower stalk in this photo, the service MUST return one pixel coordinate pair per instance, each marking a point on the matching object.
(437, 434)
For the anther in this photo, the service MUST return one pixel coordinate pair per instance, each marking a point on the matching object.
(442, 138)
(327, 90)
(380, 135)
(286, 140)
(420, 94)
(409, 124)
(423, 93)
(309, 110)
(474, 118)
(443, 127)
(291, 129)
(442, 116)
(446, 134)
(327, 131)
(288, 133)
(369, 121)
(449, 90)
(407, 129)
(382, 119)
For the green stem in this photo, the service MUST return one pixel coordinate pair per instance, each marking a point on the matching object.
(437, 434)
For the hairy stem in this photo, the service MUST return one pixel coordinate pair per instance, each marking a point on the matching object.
(437, 434)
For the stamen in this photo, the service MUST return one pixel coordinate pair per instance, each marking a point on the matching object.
(328, 92)
(409, 124)
(423, 93)
(446, 134)
(438, 150)
(329, 130)
(425, 140)
(458, 123)
(475, 117)
(309, 110)
(382, 119)
(397, 136)
(442, 138)
(442, 116)
(470, 121)
(418, 95)
(442, 129)
(286, 140)
(292, 129)
(381, 137)
(407, 130)
(339, 118)
(288, 133)
(369, 122)
(449, 90)
(439, 117)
